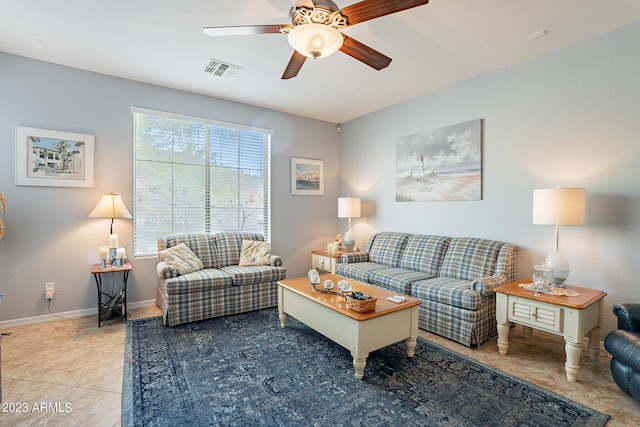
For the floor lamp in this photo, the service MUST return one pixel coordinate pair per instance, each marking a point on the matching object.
(558, 206)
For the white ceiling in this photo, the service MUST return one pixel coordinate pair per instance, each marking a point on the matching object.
(432, 46)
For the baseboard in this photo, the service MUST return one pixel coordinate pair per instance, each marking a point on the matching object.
(75, 314)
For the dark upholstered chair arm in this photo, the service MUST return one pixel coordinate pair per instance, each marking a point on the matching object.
(625, 347)
(628, 316)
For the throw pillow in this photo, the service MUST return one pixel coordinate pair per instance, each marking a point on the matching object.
(181, 258)
(255, 253)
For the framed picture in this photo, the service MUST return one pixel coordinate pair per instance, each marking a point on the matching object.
(307, 178)
(53, 158)
(440, 164)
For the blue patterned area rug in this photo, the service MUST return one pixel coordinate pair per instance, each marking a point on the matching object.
(245, 370)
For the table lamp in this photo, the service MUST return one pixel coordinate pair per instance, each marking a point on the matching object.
(110, 206)
(558, 206)
(349, 207)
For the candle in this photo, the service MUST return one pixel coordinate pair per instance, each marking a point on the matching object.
(113, 240)
(104, 252)
(121, 253)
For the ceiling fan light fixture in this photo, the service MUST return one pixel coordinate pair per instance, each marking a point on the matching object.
(315, 40)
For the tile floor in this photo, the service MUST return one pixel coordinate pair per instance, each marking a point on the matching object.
(69, 372)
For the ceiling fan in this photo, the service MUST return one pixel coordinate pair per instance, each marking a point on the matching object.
(313, 31)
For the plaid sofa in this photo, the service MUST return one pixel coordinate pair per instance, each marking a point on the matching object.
(222, 287)
(453, 277)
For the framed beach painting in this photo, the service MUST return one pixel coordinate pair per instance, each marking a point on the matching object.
(53, 158)
(440, 164)
(307, 178)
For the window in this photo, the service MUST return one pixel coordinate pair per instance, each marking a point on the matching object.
(197, 175)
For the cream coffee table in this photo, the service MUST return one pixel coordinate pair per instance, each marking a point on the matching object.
(360, 333)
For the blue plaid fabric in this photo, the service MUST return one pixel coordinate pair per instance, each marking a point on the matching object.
(387, 247)
(166, 271)
(197, 281)
(222, 287)
(454, 278)
(468, 327)
(425, 253)
(230, 245)
(252, 274)
(359, 271)
(354, 257)
(201, 244)
(469, 258)
(506, 263)
(396, 279)
(447, 290)
(194, 306)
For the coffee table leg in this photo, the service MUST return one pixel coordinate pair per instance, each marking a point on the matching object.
(411, 346)
(359, 365)
(283, 319)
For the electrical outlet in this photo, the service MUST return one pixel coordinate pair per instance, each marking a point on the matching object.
(48, 290)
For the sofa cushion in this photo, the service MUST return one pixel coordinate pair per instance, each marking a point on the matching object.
(358, 271)
(447, 290)
(425, 253)
(470, 258)
(229, 246)
(181, 258)
(201, 244)
(198, 281)
(251, 274)
(254, 252)
(396, 280)
(387, 248)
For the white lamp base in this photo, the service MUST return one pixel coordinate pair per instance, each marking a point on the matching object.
(560, 264)
(349, 240)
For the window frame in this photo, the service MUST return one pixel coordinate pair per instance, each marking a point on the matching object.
(149, 249)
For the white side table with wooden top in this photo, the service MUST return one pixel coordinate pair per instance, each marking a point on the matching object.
(325, 260)
(571, 317)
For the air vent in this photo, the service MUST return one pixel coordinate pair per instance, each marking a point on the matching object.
(221, 69)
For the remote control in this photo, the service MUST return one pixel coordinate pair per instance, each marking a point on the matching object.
(395, 299)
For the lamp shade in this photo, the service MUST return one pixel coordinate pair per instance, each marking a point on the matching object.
(110, 206)
(559, 206)
(315, 40)
(348, 207)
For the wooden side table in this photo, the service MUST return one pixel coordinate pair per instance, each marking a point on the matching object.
(325, 260)
(108, 302)
(570, 317)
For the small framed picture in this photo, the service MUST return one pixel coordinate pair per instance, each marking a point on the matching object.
(53, 158)
(307, 178)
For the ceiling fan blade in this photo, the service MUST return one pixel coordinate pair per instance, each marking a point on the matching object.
(371, 9)
(244, 30)
(364, 53)
(295, 63)
(300, 3)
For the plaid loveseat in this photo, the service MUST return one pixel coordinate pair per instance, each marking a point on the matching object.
(222, 287)
(453, 277)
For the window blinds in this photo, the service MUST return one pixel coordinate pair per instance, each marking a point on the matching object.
(197, 175)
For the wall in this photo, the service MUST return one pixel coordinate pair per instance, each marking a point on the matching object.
(569, 118)
(49, 236)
